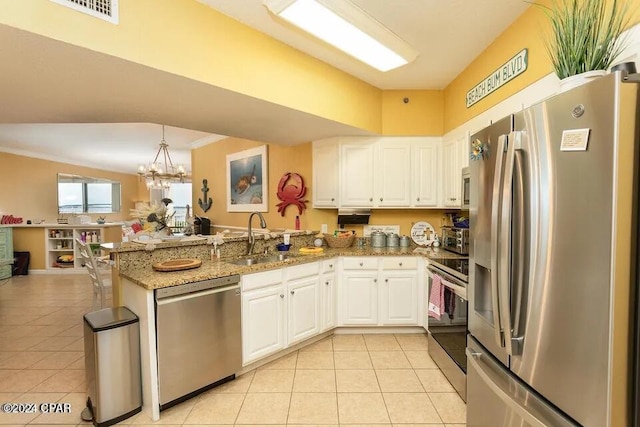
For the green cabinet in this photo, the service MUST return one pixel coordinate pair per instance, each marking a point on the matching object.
(6, 252)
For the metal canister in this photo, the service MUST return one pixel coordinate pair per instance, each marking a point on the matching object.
(378, 239)
(393, 240)
(405, 241)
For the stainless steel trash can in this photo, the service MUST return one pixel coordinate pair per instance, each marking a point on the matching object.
(112, 364)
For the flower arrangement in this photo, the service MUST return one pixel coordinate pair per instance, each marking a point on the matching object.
(157, 217)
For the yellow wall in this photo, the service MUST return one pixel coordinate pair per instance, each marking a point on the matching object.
(30, 187)
(190, 39)
(525, 32)
(210, 162)
(422, 115)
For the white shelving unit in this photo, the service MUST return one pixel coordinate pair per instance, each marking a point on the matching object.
(62, 241)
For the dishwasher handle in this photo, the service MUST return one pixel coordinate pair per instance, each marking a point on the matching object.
(169, 300)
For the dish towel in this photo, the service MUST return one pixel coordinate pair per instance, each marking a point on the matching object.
(436, 298)
(449, 302)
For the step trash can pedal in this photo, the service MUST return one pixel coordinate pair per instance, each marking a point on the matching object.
(112, 365)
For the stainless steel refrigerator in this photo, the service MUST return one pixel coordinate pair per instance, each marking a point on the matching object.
(552, 262)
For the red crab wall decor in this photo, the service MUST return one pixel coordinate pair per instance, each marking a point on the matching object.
(291, 191)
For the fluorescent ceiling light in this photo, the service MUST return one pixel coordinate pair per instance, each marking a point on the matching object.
(345, 26)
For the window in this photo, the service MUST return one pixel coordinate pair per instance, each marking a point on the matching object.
(80, 194)
(180, 194)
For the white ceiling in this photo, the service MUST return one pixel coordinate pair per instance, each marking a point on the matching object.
(112, 146)
(448, 34)
(52, 110)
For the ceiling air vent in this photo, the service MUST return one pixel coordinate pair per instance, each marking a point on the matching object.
(103, 9)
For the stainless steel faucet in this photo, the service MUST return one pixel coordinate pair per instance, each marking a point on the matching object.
(252, 240)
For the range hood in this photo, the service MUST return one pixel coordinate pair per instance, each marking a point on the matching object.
(353, 216)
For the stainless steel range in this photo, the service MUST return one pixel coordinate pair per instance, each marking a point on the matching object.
(448, 336)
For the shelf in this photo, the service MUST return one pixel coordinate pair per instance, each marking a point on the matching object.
(61, 250)
(60, 238)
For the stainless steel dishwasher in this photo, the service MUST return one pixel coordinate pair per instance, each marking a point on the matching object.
(199, 337)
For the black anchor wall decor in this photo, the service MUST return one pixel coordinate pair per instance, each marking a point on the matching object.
(204, 205)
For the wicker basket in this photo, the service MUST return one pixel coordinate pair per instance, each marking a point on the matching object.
(339, 242)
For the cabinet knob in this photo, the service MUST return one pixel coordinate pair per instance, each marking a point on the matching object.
(332, 199)
(371, 199)
(361, 264)
(281, 295)
(293, 292)
(380, 198)
(417, 199)
(400, 264)
(375, 280)
(326, 283)
(386, 280)
(330, 265)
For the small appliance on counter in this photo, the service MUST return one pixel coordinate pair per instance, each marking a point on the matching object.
(456, 240)
(202, 225)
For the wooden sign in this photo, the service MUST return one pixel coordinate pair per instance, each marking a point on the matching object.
(507, 72)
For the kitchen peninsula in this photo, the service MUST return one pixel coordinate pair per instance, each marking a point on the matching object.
(284, 304)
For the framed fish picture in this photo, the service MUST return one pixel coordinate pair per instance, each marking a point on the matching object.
(247, 180)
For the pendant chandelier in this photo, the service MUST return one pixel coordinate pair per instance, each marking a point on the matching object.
(161, 173)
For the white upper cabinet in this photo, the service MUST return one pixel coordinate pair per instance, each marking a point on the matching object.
(357, 156)
(388, 172)
(393, 173)
(325, 173)
(465, 150)
(452, 174)
(426, 165)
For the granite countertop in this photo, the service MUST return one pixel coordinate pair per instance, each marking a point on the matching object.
(150, 279)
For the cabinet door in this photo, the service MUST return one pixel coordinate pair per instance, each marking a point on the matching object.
(393, 173)
(426, 161)
(356, 173)
(303, 309)
(328, 302)
(359, 298)
(464, 149)
(452, 173)
(263, 317)
(399, 298)
(325, 173)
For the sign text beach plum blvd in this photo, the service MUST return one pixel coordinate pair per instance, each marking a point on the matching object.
(507, 72)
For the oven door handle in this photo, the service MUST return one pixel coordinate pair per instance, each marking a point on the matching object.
(460, 291)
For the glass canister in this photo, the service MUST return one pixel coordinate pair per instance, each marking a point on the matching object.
(405, 241)
(393, 240)
(378, 239)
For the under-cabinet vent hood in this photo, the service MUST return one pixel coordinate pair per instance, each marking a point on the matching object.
(353, 216)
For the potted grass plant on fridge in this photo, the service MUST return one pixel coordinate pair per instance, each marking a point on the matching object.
(585, 37)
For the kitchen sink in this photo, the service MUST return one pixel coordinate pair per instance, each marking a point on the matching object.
(262, 259)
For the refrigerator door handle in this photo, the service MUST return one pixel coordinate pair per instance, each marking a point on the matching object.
(495, 239)
(519, 252)
(504, 248)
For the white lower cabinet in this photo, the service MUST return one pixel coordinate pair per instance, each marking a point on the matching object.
(399, 298)
(263, 316)
(279, 308)
(379, 291)
(328, 302)
(359, 298)
(303, 309)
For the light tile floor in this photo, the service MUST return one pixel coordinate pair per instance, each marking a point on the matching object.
(355, 380)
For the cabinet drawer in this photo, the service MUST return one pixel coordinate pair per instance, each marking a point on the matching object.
(329, 265)
(261, 280)
(399, 263)
(303, 270)
(360, 263)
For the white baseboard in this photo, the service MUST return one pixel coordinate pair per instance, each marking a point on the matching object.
(345, 330)
(37, 272)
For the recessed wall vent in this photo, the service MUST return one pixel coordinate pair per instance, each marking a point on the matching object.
(103, 9)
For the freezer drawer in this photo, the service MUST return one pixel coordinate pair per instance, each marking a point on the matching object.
(496, 398)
